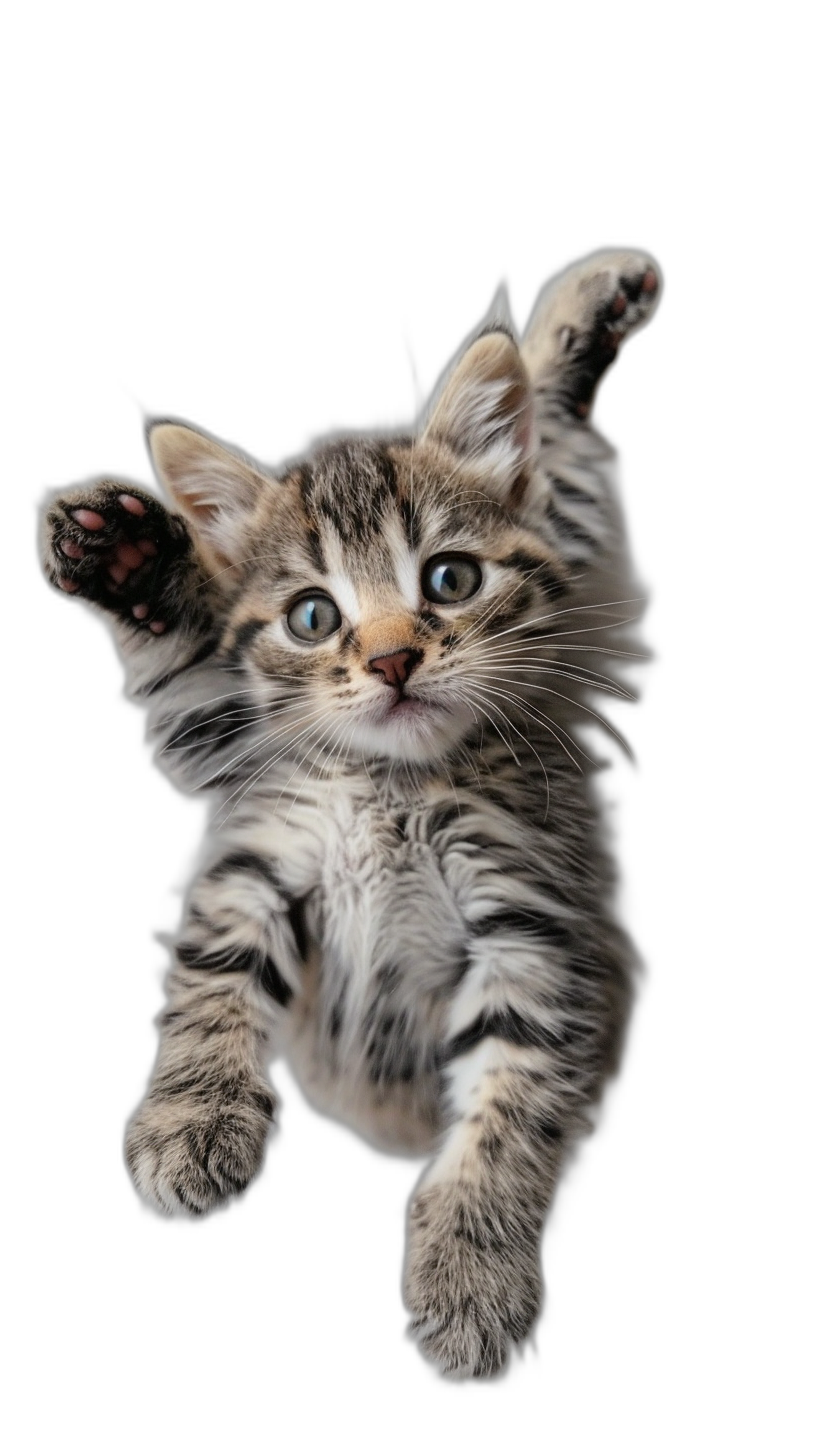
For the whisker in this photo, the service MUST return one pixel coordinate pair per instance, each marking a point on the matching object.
(529, 744)
(254, 777)
(509, 748)
(580, 675)
(484, 617)
(329, 734)
(582, 707)
(239, 727)
(233, 566)
(565, 611)
(533, 640)
(246, 752)
(543, 720)
(258, 715)
(206, 702)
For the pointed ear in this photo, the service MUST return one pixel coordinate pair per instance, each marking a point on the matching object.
(214, 489)
(485, 412)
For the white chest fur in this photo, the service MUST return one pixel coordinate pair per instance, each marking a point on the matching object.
(387, 948)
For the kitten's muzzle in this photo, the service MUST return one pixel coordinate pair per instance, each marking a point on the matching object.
(396, 667)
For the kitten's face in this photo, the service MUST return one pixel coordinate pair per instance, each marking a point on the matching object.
(371, 582)
(382, 576)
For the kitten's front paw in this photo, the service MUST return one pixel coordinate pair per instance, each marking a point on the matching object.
(472, 1288)
(119, 547)
(193, 1150)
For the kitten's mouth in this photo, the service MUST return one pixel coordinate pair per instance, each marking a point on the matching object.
(404, 705)
(409, 727)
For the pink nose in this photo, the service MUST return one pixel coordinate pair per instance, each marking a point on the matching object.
(396, 668)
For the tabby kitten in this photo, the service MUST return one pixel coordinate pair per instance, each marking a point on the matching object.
(371, 662)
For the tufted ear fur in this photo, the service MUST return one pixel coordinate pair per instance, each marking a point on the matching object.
(216, 490)
(485, 412)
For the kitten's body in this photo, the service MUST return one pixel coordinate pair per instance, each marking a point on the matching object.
(404, 890)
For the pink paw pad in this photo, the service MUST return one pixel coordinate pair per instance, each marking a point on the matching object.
(157, 627)
(91, 520)
(133, 504)
(129, 555)
(72, 549)
(140, 611)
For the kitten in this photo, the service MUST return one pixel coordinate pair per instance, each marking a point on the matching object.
(371, 661)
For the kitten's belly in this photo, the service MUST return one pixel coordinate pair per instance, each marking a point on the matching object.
(388, 951)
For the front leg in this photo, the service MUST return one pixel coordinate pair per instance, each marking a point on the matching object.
(580, 322)
(118, 547)
(199, 1135)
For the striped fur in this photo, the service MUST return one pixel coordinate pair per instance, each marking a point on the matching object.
(404, 890)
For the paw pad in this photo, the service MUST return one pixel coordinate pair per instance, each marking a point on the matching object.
(118, 549)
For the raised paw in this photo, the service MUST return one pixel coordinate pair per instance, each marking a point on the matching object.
(118, 547)
(472, 1284)
(193, 1149)
(582, 320)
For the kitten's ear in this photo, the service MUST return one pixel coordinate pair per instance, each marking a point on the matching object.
(485, 412)
(214, 489)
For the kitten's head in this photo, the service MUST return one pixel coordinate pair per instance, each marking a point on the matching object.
(368, 583)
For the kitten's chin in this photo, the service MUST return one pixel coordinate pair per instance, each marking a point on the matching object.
(412, 731)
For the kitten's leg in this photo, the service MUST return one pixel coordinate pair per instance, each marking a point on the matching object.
(523, 1062)
(118, 547)
(580, 321)
(574, 334)
(473, 1276)
(199, 1134)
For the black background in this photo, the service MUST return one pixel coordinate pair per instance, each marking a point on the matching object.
(270, 332)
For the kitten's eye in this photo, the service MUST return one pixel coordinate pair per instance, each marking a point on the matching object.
(451, 578)
(313, 618)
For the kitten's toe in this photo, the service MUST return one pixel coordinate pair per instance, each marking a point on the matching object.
(184, 1156)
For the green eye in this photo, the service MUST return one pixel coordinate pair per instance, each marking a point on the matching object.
(451, 578)
(313, 618)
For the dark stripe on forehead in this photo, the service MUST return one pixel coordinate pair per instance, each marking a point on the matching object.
(304, 476)
(410, 521)
(314, 546)
(388, 471)
(354, 483)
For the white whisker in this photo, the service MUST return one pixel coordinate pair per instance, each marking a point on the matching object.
(525, 740)
(254, 777)
(587, 676)
(554, 728)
